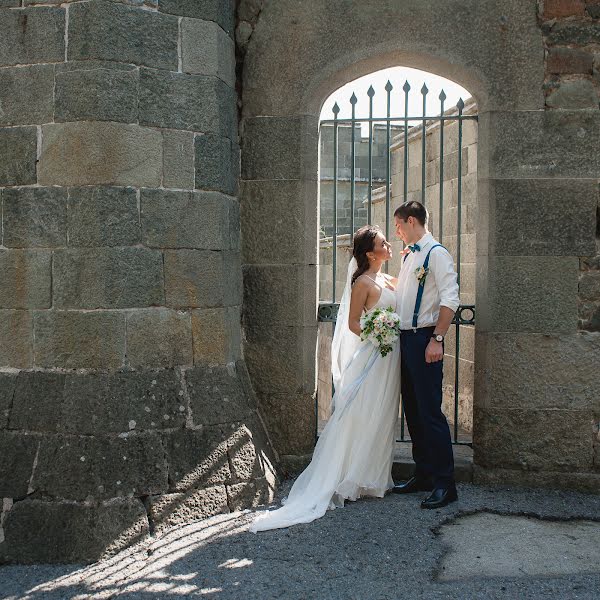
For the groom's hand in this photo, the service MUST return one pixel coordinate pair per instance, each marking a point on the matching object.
(434, 351)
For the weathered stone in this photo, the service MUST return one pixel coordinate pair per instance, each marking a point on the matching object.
(97, 94)
(539, 144)
(268, 206)
(18, 150)
(26, 95)
(10, 3)
(243, 32)
(564, 377)
(249, 10)
(16, 339)
(37, 401)
(555, 9)
(159, 337)
(171, 510)
(280, 148)
(220, 11)
(280, 358)
(201, 220)
(197, 458)
(35, 35)
(178, 159)
(18, 451)
(526, 293)
(66, 532)
(110, 31)
(216, 335)
(100, 403)
(181, 101)
(574, 32)
(217, 164)
(593, 10)
(7, 390)
(244, 461)
(288, 68)
(207, 50)
(34, 217)
(553, 440)
(583, 482)
(569, 61)
(216, 395)
(540, 216)
(79, 340)
(589, 286)
(573, 95)
(290, 421)
(589, 317)
(202, 279)
(80, 467)
(293, 286)
(25, 277)
(86, 153)
(108, 278)
(251, 494)
(103, 216)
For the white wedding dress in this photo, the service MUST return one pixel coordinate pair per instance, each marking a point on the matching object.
(353, 456)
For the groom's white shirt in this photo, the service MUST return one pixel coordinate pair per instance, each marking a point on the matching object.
(441, 287)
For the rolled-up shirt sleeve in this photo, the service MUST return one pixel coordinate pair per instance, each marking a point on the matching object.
(442, 267)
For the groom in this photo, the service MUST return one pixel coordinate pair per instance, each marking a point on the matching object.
(427, 299)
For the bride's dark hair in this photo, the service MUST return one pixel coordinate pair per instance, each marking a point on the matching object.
(364, 241)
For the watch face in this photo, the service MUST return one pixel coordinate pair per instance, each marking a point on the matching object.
(439, 338)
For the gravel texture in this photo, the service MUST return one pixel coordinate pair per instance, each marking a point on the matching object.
(372, 549)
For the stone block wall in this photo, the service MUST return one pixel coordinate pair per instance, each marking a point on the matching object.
(535, 423)
(125, 404)
(544, 206)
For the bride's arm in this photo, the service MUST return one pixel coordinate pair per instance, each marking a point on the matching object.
(358, 299)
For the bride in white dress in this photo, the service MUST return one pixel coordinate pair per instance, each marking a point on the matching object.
(353, 456)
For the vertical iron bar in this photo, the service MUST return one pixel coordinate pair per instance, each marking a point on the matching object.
(424, 91)
(370, 93)
(460, 106)
(406, 89)
(353, 101)
(441, 215)
(388, 89)
(336, 110)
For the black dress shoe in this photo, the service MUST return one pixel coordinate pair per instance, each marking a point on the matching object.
(414, 484)
(440, 497)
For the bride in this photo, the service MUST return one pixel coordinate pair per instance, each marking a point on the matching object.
(353, 456)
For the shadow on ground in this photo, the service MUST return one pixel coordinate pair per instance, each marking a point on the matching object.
(371, 549)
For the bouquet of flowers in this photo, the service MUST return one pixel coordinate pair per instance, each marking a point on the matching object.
(381, 327)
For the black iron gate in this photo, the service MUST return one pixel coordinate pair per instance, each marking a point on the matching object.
(405, 127)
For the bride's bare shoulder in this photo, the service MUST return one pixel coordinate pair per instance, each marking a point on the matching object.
(362, 283)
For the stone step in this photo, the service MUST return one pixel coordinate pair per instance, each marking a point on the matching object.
(403, 465)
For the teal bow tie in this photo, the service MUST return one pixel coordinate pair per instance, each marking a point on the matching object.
(414, 248)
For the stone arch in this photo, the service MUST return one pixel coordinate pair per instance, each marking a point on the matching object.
(296, 57)
(297, 54)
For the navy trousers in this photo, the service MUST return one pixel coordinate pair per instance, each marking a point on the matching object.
(422, 401)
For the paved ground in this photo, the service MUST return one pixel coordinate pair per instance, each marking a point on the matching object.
(370, 550)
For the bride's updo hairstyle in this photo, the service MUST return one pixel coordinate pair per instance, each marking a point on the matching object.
(364, 241)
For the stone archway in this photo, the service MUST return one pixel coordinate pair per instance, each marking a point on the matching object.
(299, 53)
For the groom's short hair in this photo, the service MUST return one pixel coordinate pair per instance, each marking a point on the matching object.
(412, 208)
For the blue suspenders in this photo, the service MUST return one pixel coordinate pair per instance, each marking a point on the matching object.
(421, 288)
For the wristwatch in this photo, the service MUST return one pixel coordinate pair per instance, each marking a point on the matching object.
(437, 337)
